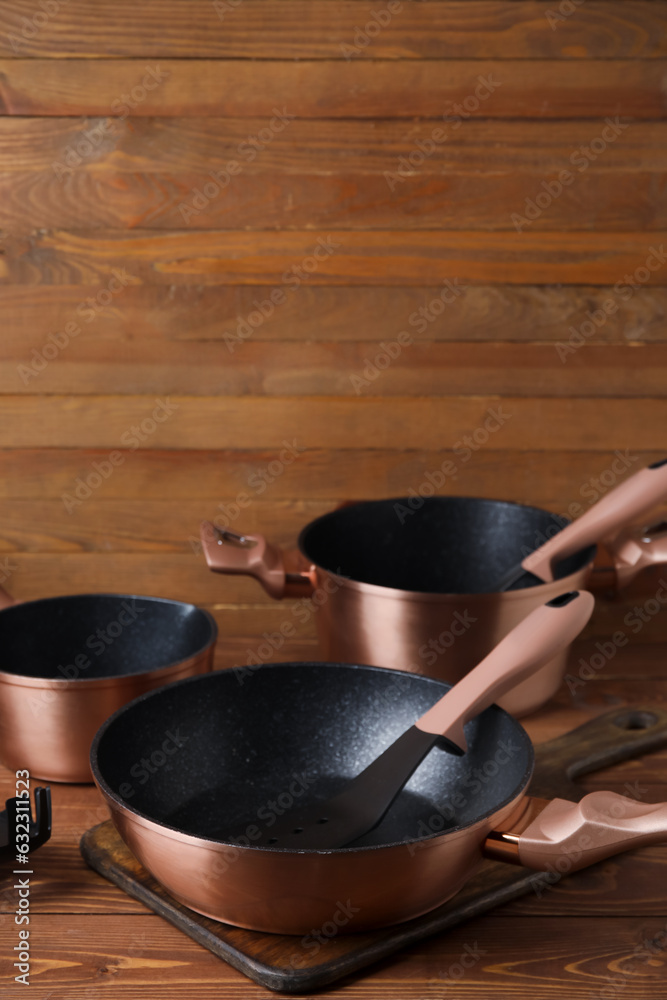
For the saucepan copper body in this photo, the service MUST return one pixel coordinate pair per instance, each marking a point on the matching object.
(408, 585)
(254, 747)
(68, 663)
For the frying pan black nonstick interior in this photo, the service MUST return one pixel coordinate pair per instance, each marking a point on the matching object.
(116, 634)
(447, 545)
(252, 746)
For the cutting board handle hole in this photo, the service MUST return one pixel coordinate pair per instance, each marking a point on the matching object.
(636, 720)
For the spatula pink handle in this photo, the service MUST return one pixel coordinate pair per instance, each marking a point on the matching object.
(529, 646)
(633, 498)
(574, 835)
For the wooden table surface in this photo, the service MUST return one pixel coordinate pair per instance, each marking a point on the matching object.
(579, 939)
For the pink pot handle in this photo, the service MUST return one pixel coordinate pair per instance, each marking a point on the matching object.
(635, 497)
(251, 555)
(573, 835)
(6, 600)
(635, 551)
(532, 643)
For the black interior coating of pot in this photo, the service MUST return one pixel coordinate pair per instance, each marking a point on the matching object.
(85, 636)
(243, 746)
(440, 545)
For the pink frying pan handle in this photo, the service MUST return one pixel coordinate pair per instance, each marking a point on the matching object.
(629, 501)
(575, 835)
(6, 600)
(520, 654)
(251, 555)
(633, 551)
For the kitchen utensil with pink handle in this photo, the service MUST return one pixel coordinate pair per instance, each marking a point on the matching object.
(343, 818)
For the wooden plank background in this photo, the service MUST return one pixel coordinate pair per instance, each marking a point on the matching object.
(135, 262)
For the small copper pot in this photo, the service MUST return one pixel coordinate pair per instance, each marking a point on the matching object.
(71, 662)
(408, 585)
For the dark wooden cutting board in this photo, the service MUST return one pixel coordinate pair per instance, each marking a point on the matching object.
(279, 963)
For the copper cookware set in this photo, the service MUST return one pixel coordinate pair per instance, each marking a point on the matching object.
(412, 590)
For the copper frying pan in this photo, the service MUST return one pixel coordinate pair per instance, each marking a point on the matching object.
(256, 746)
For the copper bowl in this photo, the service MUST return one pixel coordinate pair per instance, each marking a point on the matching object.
(68, 663)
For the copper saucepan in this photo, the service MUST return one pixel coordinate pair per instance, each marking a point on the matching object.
(69, 662)
(254, 747)
(409, 585)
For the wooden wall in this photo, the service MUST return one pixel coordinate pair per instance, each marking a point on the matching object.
(120, 286)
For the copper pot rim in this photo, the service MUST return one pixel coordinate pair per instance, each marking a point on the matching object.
(437, 597)
(118, 680)
(116, 802)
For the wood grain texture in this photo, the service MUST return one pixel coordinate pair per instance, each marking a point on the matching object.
(288, 260)
(362, 368)
(142, 956)
(585, 88)
(550, 478)
(201, 314)
(303, 29)
(321, 147)
(100, 200)
(151, 172)
(127, 423)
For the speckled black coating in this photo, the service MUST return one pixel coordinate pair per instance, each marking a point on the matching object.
(42, 638)
(245, 735)
(447, 545)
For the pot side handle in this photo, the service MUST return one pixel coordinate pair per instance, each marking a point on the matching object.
(634, 551)
(568, 836)
(252, 555)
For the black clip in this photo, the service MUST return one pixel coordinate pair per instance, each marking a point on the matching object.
(39, 829)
